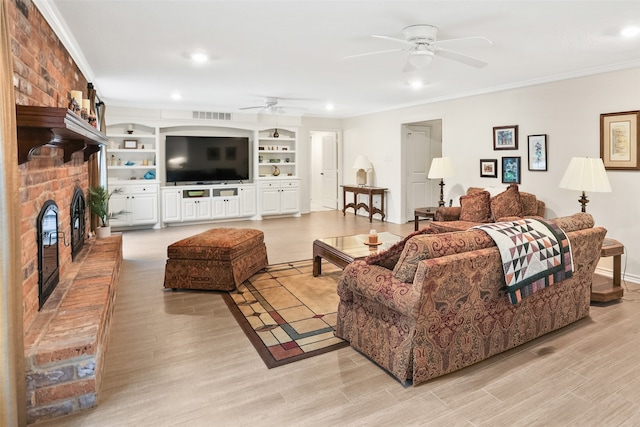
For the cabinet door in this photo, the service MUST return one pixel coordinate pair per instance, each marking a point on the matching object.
(270, 198)
(144, 209)
(189, 212)
(289, 200)
(203, 209)
(232, 206)
(119, 203)
(247, 201)
(218, 210)
(171, 211)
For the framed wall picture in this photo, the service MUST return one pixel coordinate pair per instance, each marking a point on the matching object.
(619, 140)
(505, 137)
(488, 168)
(130, 143)
(537, 152)
(511, 170)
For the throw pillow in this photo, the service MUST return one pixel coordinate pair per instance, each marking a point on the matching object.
(388, 258)
(475, 207)
(507, 203)
(529, 204)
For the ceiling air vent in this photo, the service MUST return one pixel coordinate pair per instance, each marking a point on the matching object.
(211, 115)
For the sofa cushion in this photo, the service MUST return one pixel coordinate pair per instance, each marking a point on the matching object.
(475, 207)
(506, 204)
(389, 258)
(217, 244)
(419, 248)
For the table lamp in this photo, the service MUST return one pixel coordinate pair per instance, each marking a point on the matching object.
(441, 167)
(362, 165)
(585, 174)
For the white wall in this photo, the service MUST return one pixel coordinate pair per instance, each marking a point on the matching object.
(567, 111)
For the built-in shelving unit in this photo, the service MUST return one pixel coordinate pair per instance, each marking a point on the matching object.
(277, 151)
(132, 155)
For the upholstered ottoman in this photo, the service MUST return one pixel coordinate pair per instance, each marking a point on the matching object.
(217, 259)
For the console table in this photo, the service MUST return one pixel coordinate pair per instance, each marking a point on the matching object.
(371, 191)
(604, 289)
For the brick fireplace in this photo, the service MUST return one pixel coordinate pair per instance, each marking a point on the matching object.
(66, 339)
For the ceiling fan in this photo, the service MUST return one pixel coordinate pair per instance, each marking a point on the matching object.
(271, 106)
(421, 44)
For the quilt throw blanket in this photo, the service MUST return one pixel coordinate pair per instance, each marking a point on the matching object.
(535, 254)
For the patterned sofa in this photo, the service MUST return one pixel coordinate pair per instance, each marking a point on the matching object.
(437, 303)
(480, 206)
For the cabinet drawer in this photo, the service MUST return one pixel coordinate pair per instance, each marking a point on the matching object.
(270, 184)
(294, 183)
(143, 189)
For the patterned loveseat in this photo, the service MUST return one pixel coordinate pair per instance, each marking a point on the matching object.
(437, 302)
(480, 206)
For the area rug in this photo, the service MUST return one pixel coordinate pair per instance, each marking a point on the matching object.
(288, 314)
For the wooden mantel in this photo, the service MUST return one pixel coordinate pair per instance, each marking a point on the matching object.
(60, 127)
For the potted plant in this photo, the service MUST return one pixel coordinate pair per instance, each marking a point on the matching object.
(99, 205)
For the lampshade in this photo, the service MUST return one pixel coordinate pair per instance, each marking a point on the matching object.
(362, 162)
(441, 167)
(586, 174)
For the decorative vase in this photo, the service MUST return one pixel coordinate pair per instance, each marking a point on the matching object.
(276, 171)
(276, 134)
(102, 232)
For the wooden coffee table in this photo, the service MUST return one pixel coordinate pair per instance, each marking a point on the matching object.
(343, 250)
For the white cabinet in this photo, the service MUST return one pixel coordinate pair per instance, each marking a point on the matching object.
(171, 205)
(226, 207)
(279, 197)
(132, 156)
(139, 203)
(207, 202)
(247, 200)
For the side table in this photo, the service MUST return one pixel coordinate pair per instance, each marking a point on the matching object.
(424, 213)
(604, 289)
(369, 207)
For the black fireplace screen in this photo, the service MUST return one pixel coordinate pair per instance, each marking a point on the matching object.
(77, 223)
(48, 263)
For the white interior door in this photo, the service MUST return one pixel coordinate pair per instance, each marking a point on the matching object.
(417, 160)
(329, 171)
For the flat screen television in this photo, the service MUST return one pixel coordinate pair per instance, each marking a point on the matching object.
(206, 159)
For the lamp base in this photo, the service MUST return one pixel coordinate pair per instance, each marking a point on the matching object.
(583, 201)
(361, 177)
(441, 202)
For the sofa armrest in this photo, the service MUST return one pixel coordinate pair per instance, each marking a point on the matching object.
(447, 213)
(378, 284)
(542, 207)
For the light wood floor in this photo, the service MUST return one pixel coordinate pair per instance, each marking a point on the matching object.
(179, 358)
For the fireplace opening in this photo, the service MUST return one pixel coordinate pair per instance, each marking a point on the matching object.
(48, 261)
(78, 207)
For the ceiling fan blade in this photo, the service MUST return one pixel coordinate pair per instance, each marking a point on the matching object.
(479, 41)
(251, 108)
(373, 53)
(392, 39)
(469, 60)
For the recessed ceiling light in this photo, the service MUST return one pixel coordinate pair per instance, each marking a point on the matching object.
(630, 31)
(329, 107)
(176, 96)
(199, 57)
(416, 84)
